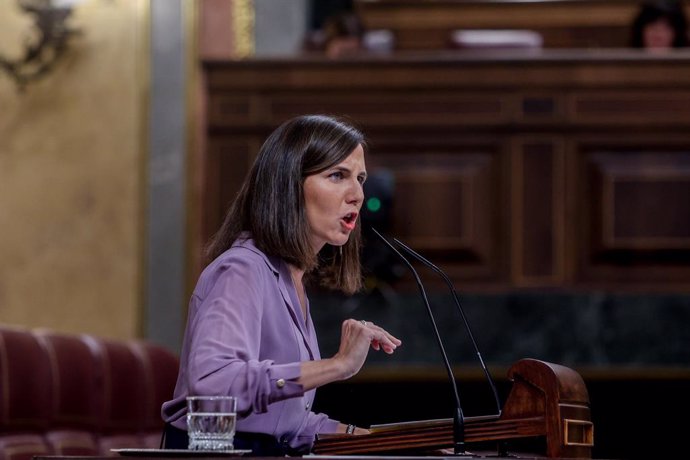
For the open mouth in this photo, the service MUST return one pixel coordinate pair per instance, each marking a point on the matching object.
(350, 220)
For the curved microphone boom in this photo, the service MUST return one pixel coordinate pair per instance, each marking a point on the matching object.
(429, 264)
(458, 417)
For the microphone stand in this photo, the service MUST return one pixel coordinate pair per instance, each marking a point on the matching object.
(458, 417)
(429, 264)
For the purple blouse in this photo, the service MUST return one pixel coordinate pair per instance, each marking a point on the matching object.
(246, 337)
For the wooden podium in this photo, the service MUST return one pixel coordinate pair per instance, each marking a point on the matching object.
(546, 401)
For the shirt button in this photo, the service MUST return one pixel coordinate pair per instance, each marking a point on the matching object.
(307, 406)
(280, 383)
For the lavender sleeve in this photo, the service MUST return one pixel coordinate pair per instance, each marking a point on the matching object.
(225, 340)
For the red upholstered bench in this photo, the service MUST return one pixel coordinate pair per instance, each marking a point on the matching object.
(63, 394)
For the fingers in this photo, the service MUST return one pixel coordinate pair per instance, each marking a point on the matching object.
(356, 339)
(381, 339)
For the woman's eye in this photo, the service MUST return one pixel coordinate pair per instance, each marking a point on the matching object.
(336, 175)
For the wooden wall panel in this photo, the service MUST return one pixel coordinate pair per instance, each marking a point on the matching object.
(629, 106)
(228, 162)
(555, 169)
(428, 107)
(648, 212)
(446, 203)
(538, 206)
(231, 109)
(634, 199)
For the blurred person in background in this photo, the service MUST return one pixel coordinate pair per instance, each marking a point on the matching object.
(659, 26)
(343, 34)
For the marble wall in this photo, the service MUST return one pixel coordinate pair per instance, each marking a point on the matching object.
(72, 170)
(583, 330)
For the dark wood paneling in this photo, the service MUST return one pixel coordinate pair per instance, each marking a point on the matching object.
(650, 212)
(224, 109)
(446, 203)
(429, 107)
(384, 107)
(531, 71)
(634, 198)
(628, 106)
(228, 162)
(538, 207)
(558, 169)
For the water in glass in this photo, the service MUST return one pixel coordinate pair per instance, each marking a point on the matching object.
(211, 422)
(211, 431)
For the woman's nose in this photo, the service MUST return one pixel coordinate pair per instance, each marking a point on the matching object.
(356, 194)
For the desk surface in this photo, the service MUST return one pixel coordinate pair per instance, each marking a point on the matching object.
(315, 457)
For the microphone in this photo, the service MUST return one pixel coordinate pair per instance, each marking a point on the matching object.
(451, 287)
(458, 417)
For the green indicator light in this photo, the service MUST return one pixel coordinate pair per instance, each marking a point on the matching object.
(373, 204)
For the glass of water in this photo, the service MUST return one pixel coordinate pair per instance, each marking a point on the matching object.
(211, 422)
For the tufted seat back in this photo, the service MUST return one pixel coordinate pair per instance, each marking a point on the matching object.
(25, 395)
(77, 376)
(68, 394)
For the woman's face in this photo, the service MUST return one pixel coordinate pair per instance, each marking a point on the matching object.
(332, 200)
(658, 35)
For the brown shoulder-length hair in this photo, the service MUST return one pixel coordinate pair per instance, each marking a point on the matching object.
(270, 205)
